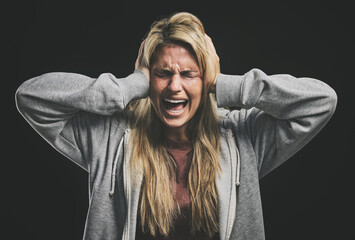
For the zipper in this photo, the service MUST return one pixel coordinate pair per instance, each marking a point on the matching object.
(232, 201)
(127, 190)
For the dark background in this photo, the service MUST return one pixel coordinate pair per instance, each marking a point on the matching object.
(45, 196)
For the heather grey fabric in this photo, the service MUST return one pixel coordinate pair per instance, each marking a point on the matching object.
(83, 119)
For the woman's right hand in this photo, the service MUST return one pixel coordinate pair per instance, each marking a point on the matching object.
(138, 64)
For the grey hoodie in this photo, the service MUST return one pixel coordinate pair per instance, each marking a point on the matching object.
(82, 118)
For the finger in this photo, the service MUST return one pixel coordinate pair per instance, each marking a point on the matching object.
(211, 47)
(140, 53)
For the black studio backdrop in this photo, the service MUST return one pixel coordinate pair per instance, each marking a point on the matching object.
(45, 196)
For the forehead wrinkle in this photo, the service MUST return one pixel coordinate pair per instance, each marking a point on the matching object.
(175, 58)
(176, 66)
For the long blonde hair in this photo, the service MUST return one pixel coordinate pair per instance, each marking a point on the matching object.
(157, 207)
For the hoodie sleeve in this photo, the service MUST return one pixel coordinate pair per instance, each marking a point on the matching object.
(72, 111)
(281, 113)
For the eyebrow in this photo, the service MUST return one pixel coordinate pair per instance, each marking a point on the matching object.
(189, 71)
(168, 70)
(162, 70)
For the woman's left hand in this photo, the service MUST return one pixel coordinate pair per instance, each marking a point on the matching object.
(214, 58)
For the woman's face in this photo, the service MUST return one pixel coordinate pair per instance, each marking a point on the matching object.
(175, 85)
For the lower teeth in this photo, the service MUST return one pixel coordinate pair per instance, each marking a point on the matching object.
(175, 107)
(175, 111)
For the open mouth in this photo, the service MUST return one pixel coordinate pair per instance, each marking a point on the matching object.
(175, 105)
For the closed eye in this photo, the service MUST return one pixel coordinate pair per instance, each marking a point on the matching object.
(166, 73)
(189, 74)
(163, 73)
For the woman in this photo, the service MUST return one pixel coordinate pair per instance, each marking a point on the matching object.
(163, 161)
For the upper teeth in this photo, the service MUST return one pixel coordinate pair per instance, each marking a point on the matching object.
(174, 101)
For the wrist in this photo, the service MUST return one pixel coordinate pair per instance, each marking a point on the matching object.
(146, 73)
(228, 90)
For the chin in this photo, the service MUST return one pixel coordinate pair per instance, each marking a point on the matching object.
(173, 125)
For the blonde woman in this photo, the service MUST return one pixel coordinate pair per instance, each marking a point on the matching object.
(166, 157)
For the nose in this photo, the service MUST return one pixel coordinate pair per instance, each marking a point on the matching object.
(175, 83)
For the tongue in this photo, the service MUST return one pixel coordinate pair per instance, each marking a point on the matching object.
(174, 106)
